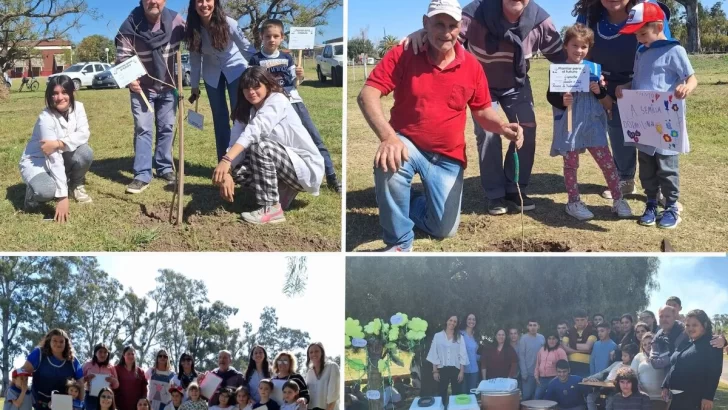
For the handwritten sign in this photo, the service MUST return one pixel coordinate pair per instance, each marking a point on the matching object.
(195, 119)
(569, 78)
(301, 38)
(128, 71)
(654, 119)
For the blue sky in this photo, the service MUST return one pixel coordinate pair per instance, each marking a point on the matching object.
(402, 17)
(699, 282)
(114, 12)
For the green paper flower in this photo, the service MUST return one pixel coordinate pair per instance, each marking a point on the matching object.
(417, 324)
(347, 341)
(373, 327)
(385, 328)
(353, 329)
(394, 334)
(405, 319)
(414, 335)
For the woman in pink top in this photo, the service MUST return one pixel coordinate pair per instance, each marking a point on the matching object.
(546, 363)
(98, 366)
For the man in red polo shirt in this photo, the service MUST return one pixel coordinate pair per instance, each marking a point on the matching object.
(426, 132)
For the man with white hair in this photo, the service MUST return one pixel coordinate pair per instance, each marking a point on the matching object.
(672, 337)
(426, 132)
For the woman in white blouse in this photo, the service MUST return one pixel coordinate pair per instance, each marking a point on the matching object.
(270, 150)
(650, 379)
(322, 379)
(449, 357)
(57, 157)
(218, 49)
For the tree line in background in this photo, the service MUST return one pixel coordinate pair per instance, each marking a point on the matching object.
(25, 23)
(73, 293)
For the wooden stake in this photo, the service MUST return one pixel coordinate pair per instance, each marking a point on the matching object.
(300, 62)
(180, 126)
(146, 101)
(568, 118)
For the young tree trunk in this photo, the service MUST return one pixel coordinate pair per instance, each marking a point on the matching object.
(691, 16)
(374, 352)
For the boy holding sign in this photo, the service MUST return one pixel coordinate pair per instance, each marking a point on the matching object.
(587, 130)
(284, 69)
(660, 65)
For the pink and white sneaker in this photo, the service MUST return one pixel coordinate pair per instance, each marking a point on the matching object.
(265, 215)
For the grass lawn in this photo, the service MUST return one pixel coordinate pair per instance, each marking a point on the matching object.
(117, 221)
(704, 186)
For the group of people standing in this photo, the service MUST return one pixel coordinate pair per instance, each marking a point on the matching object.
(54, 368)
(677, 360)
(478, 57)
(273, 146)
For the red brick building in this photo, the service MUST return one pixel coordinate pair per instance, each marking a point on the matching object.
(48, 60)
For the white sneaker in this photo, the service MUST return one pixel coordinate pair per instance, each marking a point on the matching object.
(80, 195)
(626, 187)
(621, 208)
(579, 211)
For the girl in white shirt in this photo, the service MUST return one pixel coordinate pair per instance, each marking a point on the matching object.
(449, 357)
(322, 379)
(270, 150)
(57, 157)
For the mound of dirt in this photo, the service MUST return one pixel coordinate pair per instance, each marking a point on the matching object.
(511, 245)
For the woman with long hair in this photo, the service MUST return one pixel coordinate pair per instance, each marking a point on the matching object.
(160, 378)
(322, 379)
(696, 368)
(472, 345)
(132, 382)
(186, 372)
(500, 358)
(648, 317)
(52, 364)
(271, 152)
(221, 51)
(449, 358)
(650, 379)
(105, 400)
(258, 369)
(99, 366)
(284, 366)
(55, 161)
(546, 363)
(615, 52)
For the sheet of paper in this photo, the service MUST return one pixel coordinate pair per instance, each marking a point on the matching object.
(569, 78)
(209, 385)
(301, 38)
(128, 71)
(277, 394)
(195, 119)
(98, 383)
(61, 402)
(654, 119)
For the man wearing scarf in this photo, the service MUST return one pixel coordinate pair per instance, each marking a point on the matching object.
(503, 35)
(153, 33)
(578, 344)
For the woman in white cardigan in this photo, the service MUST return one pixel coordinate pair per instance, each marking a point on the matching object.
(58, 156)
(650, 379)
(322, 379)
(270, 150)
(449, 357)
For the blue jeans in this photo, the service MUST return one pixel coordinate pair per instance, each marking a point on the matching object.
(165, 109)
(436, 211)
(220, 112)
(529, 387)
(541, 388)
(315, 137)
(625, 156)
(471, 381)
(497, 175)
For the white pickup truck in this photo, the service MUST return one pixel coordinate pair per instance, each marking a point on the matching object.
(330, 64)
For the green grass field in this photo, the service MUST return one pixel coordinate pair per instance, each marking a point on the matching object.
(704, 185)
(117, 221)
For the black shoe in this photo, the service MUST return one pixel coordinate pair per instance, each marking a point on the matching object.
(136, 187)
(333, 182)
(497, 206)
(170, 177)
(528, 204)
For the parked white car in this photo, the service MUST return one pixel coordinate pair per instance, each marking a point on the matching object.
(83, 73)
(330, 64)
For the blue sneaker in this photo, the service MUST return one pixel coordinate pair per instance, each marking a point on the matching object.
(670, 218)
(649, 217)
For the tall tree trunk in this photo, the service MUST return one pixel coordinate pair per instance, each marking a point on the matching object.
(374, 353)
(691, 16)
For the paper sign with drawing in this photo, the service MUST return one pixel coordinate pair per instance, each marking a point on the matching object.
(569, 78)
(655, 119)
(159, 393)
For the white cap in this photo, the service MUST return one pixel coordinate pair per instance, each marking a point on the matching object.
(450, 7)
